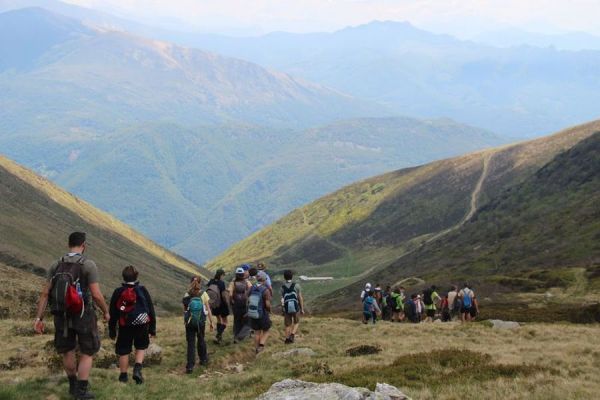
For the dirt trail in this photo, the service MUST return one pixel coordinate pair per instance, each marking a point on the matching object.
(477, 192)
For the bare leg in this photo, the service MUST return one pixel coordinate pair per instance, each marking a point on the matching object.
(139, 356)
(70, 363)
(85, 365)
(123, 363)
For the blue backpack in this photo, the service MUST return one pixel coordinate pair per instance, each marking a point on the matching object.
(467, 301)
(195, 312)
(256, 307)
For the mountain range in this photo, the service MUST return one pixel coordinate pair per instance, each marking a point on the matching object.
(521, 217)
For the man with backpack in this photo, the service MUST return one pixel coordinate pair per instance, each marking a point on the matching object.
(239, 289)
(397, 303)
(132, 310)
(196, 312)
(259, 308)
(292, 304)
(453, 302)
(219, 302)
(72, 289)
(430, 298)
(411, 309)
(466, 295)
(370, 308)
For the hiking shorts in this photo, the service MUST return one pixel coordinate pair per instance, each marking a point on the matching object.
(129, 336)
(222, 311)
(263, 324)
(465, 310)
(291, 319)
(430, 313)
(84, 335)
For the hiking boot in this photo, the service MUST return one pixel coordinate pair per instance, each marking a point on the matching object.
(288, 340)
(204, 363)
(137, 374)
(123, 378)
(292, 338)
(83, 391)
(72, 385)
(189, 370)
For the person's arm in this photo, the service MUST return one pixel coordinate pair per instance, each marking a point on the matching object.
(99, 300)
(38, 324)
(112, 322)
(267, 300)
(225, 296)
(301, 300)
(209, 316)
(152, 327)
(231, 289)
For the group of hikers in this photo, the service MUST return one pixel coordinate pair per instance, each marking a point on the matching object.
(396, 306)
(72, 290)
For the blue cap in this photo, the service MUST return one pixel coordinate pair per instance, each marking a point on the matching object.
(245, 267)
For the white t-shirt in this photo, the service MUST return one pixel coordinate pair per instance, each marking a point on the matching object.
(466, 292)
(451, 298)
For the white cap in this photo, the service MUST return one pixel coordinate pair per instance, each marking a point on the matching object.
(368, 285)
(239, 270)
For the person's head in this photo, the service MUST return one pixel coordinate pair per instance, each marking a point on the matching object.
(433, 287)
(261, 266)
(240, 273)
(401, 288)
(261, 277)
(77, 242)
(195, 288)
(252, 271)
(197, 278)
(219, 274)
(367, 287)
(130, 274)
(288, 274)
(396, 290)
(388, 288)
(453, 288)
(246, 268)
(414, 296)
(466, 285)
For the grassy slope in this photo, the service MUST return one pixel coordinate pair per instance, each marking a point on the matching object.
(364, 227)
(432, 361)
(37, 217)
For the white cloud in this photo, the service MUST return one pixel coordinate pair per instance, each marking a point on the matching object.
(456, 16)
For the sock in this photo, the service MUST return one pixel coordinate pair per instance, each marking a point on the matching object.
(123, 375)
(72, 382)
(137, 365)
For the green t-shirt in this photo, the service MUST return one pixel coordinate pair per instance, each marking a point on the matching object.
(434, 297)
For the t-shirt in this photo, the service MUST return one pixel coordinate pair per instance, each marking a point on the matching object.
(466, 292)
(434, 297)
(287, 285)
(451, 298)
(204, 297)
(89, 271)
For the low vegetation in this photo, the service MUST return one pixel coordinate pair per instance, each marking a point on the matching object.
(426, 361)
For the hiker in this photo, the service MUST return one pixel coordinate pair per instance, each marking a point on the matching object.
(370, 308)
(72, 289)
(475, 307)
(259, 308)
(378, 295)
(445, 309)
(132, 308)
(397, 300)
(410, 309)
(419, 308)
(219, 303)
(252, 272)
(292, 304)
(430, 298)
(466, 296)
(239, 289)
(453, 302)
(261, 266)
(365, 291)
(196, 312)
(386, 308)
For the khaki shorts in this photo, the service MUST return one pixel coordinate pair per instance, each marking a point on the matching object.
(83, 333)
(291, 319)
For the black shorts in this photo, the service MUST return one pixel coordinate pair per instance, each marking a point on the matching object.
(222, 311)
(129, 336)
(83, 332)
(263, 324)
(430, 313)
(465, 310)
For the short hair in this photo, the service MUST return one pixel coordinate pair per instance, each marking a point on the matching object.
(130, 274)
(288, 274)
(76, 239)
(252, 271)
(413, 296)
(220, 272)
(433, 287)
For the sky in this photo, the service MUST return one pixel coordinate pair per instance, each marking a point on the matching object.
(463, 18)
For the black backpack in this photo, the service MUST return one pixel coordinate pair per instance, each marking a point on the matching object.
(65, 282)
(291, 304)
(240, 293)
(427, 297)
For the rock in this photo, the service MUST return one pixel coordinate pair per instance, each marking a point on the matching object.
(437, 321)
(290, 389)
(237, 368)
(300, 351)
(499, 324)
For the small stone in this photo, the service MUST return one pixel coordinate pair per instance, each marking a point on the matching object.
(499, 324)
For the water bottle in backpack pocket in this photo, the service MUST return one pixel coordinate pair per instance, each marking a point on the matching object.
(66, 296)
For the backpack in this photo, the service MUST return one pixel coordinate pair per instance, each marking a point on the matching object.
(214, 295)
(466, 299)
(195, 312)
(427, 300)
(240, 293)
(133, 307)
(291, 304)
(256, 307)
(368, 304)
(66, 296)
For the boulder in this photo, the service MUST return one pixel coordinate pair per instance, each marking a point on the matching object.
(300, 351)
(290, 389)
(499, 324)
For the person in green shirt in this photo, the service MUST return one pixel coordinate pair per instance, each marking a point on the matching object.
(430, 298)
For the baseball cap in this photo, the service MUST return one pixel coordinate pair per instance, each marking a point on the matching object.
(239, 270)
(245, 267)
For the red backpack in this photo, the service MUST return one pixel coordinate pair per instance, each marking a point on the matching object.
(133, 307)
